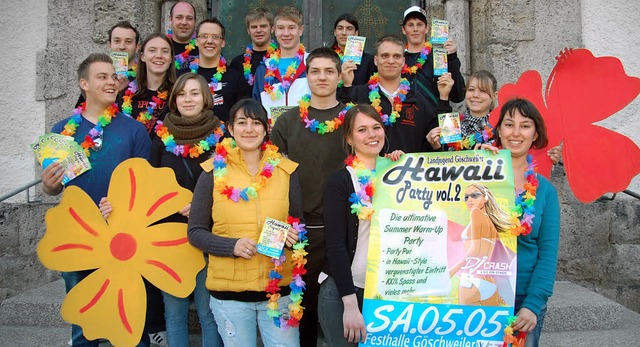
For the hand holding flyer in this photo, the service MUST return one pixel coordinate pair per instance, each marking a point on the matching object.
(272, 237)
(354, 48)
(51, 148)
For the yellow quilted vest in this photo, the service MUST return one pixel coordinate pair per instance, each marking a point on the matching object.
(245, 219)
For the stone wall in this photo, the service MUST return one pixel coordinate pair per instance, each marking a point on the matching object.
(23, 25)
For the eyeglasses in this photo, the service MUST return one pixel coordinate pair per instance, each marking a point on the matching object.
(214, 37)
(474, 195)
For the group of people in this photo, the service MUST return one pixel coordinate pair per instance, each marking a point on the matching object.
(268, 135)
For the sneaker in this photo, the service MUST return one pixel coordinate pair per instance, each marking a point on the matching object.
(159, 338)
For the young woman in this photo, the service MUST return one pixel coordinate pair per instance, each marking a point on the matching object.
(246, 182)
(480, 238)
(480, 99)
(347, 233)
(145, 98)
(519, 129)
(347, 25)
(190, 127)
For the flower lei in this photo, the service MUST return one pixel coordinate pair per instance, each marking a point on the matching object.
(509, 338)
(217, 77)
(424, 53)
(220, 171)
(191, 150)
(146, 116)
(131, 73)
(297, 284)
(272, 58)
(524, 204)
(361, 199)
(396, 107)
(246, 64)
(338, 51)
(313, 125)
(96, 132)
(182, 57)
(470, 140)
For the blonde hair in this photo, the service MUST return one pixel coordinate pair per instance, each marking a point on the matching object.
(499, 217)
(289, 12)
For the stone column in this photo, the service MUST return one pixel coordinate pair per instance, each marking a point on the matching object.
(457, 13)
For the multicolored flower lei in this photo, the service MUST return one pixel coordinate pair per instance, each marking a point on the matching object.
(523, 212)
(338, 51)
(272, 58)
(192, 150)
(145, 116)
(396, 107)
(469, 141)
(297, 284)
(313, 125)
(509, 337)
(182, 57)
(131, 73)
(220, 171)
(424, 53)
(361, 199)
(246, 64)
(217, 77)
(93, 139)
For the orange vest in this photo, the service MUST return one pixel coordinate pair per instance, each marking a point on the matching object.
(245, 219)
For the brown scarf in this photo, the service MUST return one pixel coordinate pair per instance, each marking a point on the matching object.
(191, 130)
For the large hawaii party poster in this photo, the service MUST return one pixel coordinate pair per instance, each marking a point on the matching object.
(441, 265)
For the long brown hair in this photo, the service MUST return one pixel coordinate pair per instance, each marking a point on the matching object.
(141, 72)
(179, 86)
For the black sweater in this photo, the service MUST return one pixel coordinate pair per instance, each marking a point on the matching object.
(340, 230)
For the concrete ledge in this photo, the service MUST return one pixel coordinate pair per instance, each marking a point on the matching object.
(36, 307)
(575, 308)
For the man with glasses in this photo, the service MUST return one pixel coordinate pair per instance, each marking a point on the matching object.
(407, 115)
(119, 139)
(227, 86)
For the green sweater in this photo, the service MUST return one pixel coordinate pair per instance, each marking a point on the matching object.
(318, 155)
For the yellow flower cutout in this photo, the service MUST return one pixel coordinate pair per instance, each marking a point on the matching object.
(111, 302)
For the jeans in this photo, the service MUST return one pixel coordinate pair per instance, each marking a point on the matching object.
(71, 279)
(330, 311)
(533, 337)
(237, 323)
(176, 313)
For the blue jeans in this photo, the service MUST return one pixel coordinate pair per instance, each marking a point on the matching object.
(330, 312)
(71, 279)
(237, 323)
(176, 313)
(533, 337)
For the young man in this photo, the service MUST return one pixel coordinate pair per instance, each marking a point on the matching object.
(416, 28)
(281, 80)
(319, 151)
(347, 25)
(259, 22)
(183, 22)
(123, 37)
(227, 86)
(389, 92)
(122, 138)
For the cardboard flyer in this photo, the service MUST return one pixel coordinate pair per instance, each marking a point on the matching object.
(450, 124)
(277, 111)
(440, 65)
(120, 62)
(272, 237)
(51, 148)
(354, 48)
(439, 31)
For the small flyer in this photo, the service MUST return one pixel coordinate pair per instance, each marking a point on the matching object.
(439, 31)
(272, 238)
(51, 148)
(354, 49)
(277, 111)
(450, 124)
(120, 62)
(440, 65)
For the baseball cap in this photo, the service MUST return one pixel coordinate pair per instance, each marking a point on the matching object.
(416, 10)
